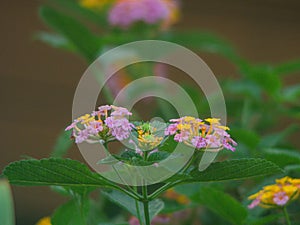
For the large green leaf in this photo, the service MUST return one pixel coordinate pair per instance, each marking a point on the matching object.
(282, 157)
(53, 171)
(62, 145)
(236, 169)
(222, 204)
(264, 220)
(6, 206)
(71, 213)
(84, 41)
(129, 204)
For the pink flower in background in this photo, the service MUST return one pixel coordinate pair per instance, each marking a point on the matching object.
(124, 13)
(254, 203)
(134, 221)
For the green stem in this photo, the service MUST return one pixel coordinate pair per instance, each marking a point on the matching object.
(138, 211)
(161, 190)
(286, 215)
(171, 184)
(132, 193)
(146, 205)
(145, 198)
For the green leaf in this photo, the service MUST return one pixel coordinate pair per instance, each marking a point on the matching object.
(293, 111)
(294, 168)
(130, 155)
(274, 139)
(264, 220)
(247, 136)
(71, 6)
(71, 213)
(291, 93)
(262, 75)
(221, 204)
(204, 42)
(287, 67)
(237, 169)
(158, 156)
(243, 87)
(6, 206)
(282, 157)
(84, 41)
(55, 40)
(62, 145)
(53, 171)
(129, 204)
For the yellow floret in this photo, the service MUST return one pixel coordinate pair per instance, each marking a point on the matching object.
(94, 4)
(44, 221)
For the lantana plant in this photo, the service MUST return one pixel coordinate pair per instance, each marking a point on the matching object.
(256, 100)
(151, 145)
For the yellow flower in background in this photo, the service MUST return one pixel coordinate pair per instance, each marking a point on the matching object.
(174, 14)
(279, 194)
(95, 4)
(173, 195)
(44, 221)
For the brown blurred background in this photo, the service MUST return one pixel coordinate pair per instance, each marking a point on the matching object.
(37, 82)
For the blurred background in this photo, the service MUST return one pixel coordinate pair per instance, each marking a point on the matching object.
(37, 82)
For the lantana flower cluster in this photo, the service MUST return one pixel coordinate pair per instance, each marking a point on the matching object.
(125, 13)
(147, 137)
(284, 191)
(206, 134)
(109, 122)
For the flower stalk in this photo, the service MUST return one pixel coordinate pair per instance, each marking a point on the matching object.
(286, 215)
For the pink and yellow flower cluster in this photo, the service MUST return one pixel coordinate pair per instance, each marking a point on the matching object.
(125, 13)
(284, 191)
(208, 134)
(109, 122)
